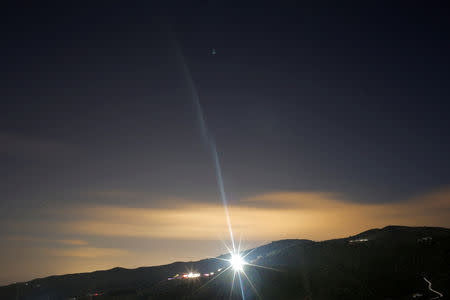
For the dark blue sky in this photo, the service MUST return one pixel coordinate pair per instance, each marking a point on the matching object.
(342, 98)
(334, 98)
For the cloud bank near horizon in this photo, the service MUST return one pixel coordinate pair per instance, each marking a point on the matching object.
(71, 236)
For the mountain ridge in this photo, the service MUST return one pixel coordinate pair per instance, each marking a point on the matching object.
(402, 251)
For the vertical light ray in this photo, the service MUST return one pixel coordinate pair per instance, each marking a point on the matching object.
(232, 284)
(251, 284)
(226, 246)
(207, 137)
(240, 285)
(209, 141)
(239, 246)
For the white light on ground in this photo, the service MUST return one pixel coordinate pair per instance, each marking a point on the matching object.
(237, 262)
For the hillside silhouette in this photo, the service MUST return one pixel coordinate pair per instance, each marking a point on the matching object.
(387, 263)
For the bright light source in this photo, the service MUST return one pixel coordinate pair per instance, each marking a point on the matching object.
(193, 275)
(237, 262)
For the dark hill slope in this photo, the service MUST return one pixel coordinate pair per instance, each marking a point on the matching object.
(386, 263)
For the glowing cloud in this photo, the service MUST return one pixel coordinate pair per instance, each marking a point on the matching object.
(262, 217)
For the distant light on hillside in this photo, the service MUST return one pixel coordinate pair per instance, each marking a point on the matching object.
(237, 262)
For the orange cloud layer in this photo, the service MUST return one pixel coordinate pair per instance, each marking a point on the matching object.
(86, 252)
(262, 217)
(269, 216)
(30, 239)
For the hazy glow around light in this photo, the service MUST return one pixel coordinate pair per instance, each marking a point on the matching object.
(237, 262)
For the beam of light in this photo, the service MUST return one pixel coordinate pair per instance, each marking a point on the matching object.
(207, 137)
(218, 258)
(228, 248)
(232, 285)
(214, 278)
(240, 285)
(263, 267)
(251, 284)
(237, 262)
(259, 245)
(239, 245)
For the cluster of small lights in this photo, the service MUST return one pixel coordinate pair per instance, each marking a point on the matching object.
(192, 275)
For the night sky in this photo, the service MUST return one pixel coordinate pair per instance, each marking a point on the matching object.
(328, 120)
